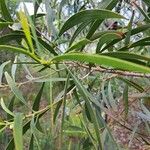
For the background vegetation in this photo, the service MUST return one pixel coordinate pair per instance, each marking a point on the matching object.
(75, 75)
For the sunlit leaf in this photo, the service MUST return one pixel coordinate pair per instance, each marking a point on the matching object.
(103, 60)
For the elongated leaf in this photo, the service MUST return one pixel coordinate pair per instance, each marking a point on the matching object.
(127, 39)
(36, 6)
(147, 19)
(127, 56)
(2, 66)
(47, 46)
(5, 24)
(106, 38)
(133, 32)
(101, 33)
(141, 42)
(31, 146)
(78, 31)
(11, 37)
(14, 68)
(10, 107)
(4, 10)
(86, 15)
(34, 132)
(147, 2)
(19, 50)
(125, 99)
(15, 89)
(26, 29)
(38, 98)
(103, 60)
(26, 127)
(18, 131)
(77, 46)
(112, 101)
(109, 6)
(84, 92)
(5, 108)
(133, 84)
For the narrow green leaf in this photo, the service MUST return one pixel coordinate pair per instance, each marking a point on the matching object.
(125, 99)
(4, 11)
(4, 39)
(112, 101)
(133, 84)
(129, 27)
(103, 60)
(109, 6)
(34, 131)
(86, 15)
(84, 94)
(2, 66)
(5, 108)
(31, 146)
(38, 98)
(36, 6)
(147, 19)
(133, 32)
(26, 127)
(78, 31)
(47, 46)
(18, 131)
(15, 89)
(78, 45)
(19, 50)
(147, 2)
(26, 29)
(10, 107)
(127, 56)
(5, 24)
(106, 38)
(64, 102)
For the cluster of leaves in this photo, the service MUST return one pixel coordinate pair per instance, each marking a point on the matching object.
(77, 109)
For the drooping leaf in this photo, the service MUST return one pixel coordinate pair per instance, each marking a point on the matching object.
(106, 38)
(133, 32)
(4, 11)
(38, 98)
(5, 108)
(78, 31)
(77, 46)
(86, 15)
(109, 5)
(2, 66)
(132, 84)
(85, 95)
(15, 89)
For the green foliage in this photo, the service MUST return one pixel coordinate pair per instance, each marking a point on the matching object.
(75, 70)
